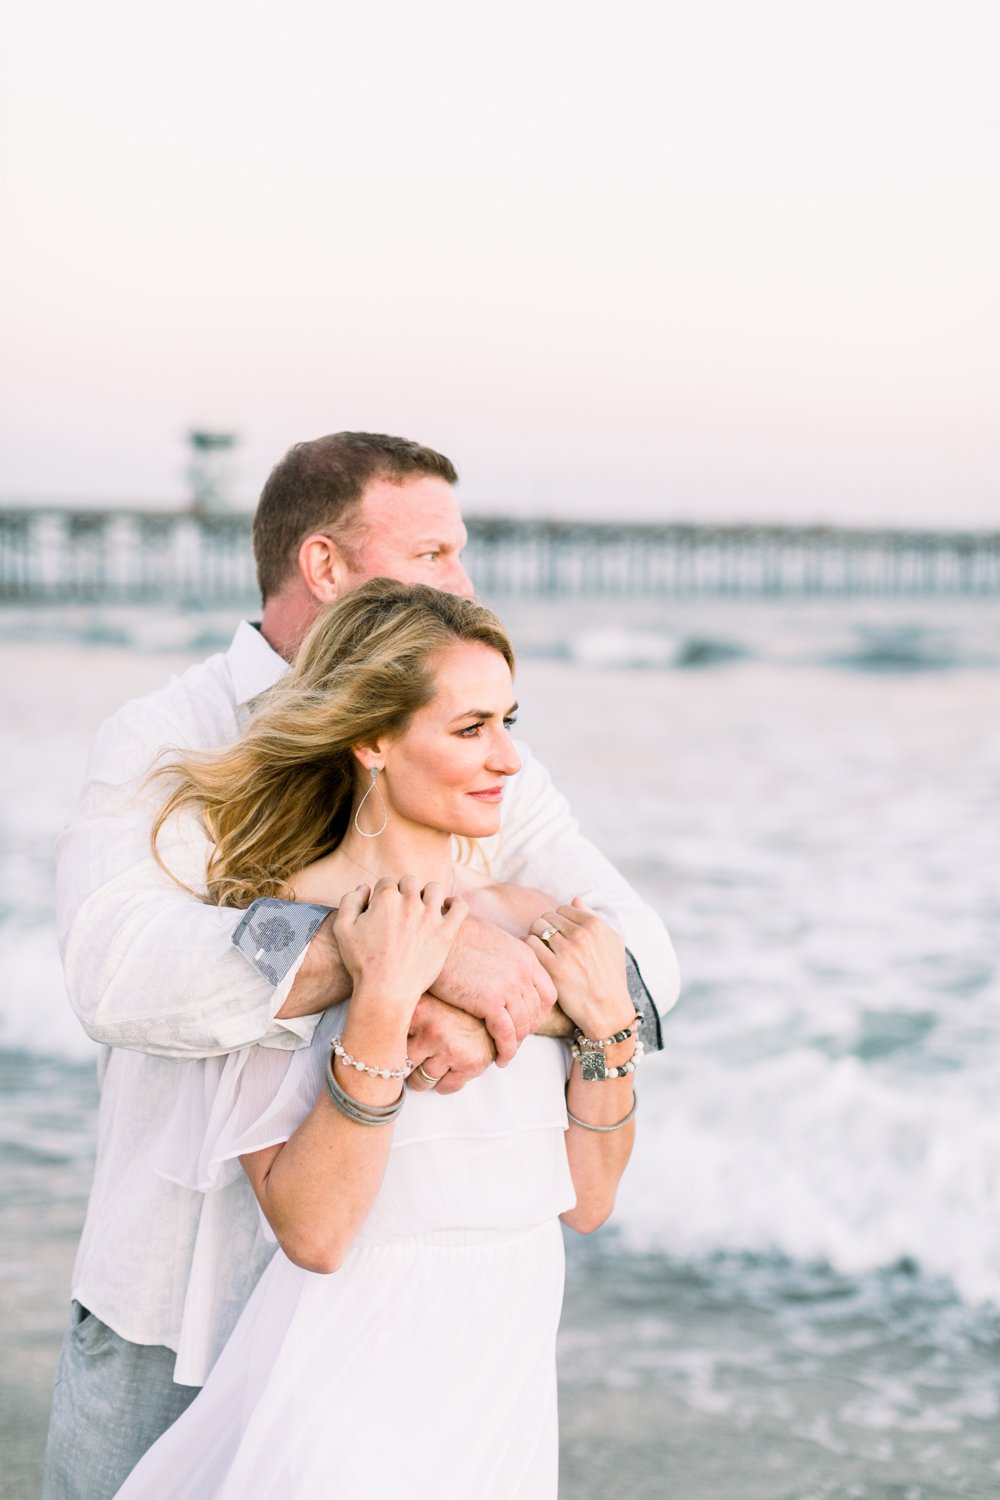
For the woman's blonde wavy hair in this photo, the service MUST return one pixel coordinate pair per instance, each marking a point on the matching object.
(282, 795)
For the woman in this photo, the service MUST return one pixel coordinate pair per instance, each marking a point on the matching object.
(422, 1354)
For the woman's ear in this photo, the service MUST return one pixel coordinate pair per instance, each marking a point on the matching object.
(371, 757)
(323, 568)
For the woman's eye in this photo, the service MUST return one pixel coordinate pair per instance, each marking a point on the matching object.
(471, 730)
(510, 721)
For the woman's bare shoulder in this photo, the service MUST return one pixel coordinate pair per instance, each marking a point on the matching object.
(512, 907)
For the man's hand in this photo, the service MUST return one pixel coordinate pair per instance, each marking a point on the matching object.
(449, 1044)
(497, 978)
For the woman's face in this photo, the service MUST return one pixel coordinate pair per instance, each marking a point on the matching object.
(448, 768)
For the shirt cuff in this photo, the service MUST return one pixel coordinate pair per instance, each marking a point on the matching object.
(273, 935)
(652, 1032)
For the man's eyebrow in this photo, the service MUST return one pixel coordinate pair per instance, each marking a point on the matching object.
(483, 713)
(456, 544)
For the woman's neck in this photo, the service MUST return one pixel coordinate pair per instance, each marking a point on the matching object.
(403, 849)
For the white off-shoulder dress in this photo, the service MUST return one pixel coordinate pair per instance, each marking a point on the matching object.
(425, 1365)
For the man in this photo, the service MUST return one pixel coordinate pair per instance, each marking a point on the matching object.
(163, 981)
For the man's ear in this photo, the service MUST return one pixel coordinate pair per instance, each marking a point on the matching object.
(323, 568)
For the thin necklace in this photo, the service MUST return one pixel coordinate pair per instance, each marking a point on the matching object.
(358, 865)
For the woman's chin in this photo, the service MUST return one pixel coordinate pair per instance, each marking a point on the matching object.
(479, 823)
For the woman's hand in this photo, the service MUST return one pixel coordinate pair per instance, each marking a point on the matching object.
(394, 939)
(585, 958)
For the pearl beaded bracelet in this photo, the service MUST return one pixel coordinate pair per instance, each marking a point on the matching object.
(337, 1046)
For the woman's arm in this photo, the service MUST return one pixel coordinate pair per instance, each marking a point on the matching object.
(586, 961)
(393, 941)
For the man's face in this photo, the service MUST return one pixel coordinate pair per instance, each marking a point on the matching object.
(412, 532)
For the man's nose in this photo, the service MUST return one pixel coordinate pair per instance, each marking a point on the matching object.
(458, 581)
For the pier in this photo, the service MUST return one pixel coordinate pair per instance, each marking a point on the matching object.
(52, 556)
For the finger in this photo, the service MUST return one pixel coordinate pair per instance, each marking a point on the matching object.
(576, 915)
(546, 957)
(428, 1075)
(520, 1014)
(409, 885)
(546, 928)
(433, 895)
(455, 912)
(383, 888)
(453, 1081)
(353, 903)
(545, 989)
(501, 1029)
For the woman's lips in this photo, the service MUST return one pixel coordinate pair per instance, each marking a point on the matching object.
(491, 794)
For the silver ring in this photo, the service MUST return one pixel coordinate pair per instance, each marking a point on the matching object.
(427, 1077)
(543, 937)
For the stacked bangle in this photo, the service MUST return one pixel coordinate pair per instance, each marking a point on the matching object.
(337, 1045)
(604, 1129)
(354, 1109)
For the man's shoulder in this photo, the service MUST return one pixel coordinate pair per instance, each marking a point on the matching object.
(196, 708)
(205, 687)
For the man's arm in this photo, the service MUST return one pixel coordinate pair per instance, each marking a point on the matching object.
(540, 845)
(148, 965)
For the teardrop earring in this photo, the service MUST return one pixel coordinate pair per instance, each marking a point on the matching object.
(373, 773)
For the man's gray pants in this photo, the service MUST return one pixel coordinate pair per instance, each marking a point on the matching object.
(112, 1400)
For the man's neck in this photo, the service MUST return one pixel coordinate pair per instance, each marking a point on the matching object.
(285, 619)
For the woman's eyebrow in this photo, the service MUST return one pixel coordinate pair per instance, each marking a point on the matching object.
(483, 713)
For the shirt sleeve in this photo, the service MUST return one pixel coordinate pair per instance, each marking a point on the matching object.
(235, 1105)
(148, 965)
(541, 845)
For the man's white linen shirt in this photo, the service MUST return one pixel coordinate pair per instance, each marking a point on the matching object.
(154, 978)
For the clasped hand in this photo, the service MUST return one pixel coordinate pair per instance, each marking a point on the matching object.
(394, 939)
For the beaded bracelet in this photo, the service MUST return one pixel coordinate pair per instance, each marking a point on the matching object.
(337, 1046)
(594, 1062)
(355, 1109)
(604, 1129)
(609, 1041)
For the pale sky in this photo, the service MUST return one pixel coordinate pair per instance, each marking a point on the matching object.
(725, 259)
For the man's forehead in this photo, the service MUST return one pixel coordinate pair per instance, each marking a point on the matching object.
(419, 509)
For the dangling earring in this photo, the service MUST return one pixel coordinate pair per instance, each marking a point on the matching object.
(373, 773)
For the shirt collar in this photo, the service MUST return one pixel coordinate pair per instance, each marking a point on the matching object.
(254, 666)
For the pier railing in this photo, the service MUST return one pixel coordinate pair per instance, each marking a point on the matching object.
(51, 556)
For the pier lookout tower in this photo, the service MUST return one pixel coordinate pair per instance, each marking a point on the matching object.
(212, 472)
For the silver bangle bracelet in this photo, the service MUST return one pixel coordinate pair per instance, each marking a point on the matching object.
(354, 1109)
(604, 1129)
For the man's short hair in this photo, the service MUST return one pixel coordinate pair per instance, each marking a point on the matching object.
(317, 486)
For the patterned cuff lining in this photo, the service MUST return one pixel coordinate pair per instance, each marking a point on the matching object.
(273, 934)
(652, 1035)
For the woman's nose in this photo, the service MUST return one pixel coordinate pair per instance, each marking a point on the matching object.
(505, 759)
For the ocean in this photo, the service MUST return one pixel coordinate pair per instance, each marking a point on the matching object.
(799, 1296)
